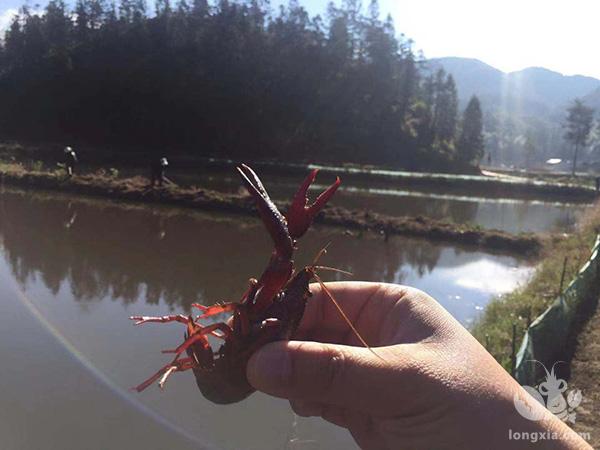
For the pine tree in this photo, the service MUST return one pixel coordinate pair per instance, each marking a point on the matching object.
(530, 149)
(579, 124)
(14, 42)
(471, 142)
(446, 107)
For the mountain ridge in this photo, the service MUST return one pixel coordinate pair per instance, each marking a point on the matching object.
(528, 91)
(526, 69)
(528, 105)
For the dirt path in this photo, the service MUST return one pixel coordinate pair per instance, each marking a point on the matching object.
(585, 375)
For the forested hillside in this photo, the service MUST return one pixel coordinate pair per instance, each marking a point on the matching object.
(230, 79)
(524, 111)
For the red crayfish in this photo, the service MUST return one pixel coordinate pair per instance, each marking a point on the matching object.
(269, 310)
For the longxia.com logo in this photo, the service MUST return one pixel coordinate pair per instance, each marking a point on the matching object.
(551, 393)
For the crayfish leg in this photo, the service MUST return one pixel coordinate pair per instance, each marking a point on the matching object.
(272, 280)
(139, 320)
(182, 364)
(251, 291)
(208, 311)
(200, 336)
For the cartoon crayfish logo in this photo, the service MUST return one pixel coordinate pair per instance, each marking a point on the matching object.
(551, 394)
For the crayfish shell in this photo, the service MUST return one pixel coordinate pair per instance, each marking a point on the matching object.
(224, 386)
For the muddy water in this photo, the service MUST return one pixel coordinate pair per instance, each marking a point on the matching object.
(507, 214)
(72, 271)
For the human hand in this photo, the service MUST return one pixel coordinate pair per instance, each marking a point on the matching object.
(426, 383)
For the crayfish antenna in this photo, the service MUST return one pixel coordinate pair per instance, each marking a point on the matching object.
(322, 252)
(333, 269)
(330, 296)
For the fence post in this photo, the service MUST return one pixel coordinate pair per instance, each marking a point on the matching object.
(562, 276)
(513, 352)
(596, 261)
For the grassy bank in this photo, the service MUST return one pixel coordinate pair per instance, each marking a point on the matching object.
(520, 307)
(135, 189)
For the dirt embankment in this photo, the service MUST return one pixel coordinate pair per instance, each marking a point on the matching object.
(136, 189)
(585, 369)
(487, 186)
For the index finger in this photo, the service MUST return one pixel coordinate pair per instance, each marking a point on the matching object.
(365, 304)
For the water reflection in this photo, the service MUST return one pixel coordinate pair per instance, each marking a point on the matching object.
(87, 265)
(178, 257)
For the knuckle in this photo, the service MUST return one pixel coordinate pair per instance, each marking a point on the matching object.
(334, 370)
(416, 295)
(319, 371)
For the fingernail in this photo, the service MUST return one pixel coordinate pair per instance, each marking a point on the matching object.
(270, 368)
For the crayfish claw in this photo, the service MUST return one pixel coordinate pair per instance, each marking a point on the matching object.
(274, 221)
(250, 176)
(300, 215)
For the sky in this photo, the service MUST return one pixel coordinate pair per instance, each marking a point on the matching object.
(510, 35)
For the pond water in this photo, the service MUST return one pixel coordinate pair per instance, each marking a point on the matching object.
(507, 214)
(72, 270)
(457, 205)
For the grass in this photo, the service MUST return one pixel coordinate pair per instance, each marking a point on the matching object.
(495, 327)
(35, 167)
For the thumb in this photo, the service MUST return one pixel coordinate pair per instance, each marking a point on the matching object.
(339, 375)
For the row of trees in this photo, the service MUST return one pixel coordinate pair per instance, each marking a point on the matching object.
(574, 137)
(232, 79)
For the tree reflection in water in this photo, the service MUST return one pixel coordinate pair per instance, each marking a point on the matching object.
(102, 249)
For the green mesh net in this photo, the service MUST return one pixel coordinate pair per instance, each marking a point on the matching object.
(546, 338)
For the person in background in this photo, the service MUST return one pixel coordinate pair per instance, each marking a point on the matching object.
(70, 161)
(157, 171)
